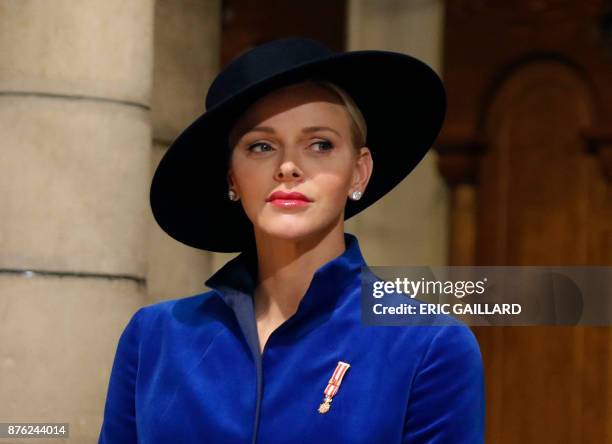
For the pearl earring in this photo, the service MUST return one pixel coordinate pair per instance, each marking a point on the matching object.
(232, 195)
(356, 195)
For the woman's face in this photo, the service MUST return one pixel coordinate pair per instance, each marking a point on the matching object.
(296, 139)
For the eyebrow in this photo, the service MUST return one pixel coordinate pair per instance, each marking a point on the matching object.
(308, 129)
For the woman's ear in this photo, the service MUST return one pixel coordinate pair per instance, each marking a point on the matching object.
(230, 178)
(363, 169)
(232, 190)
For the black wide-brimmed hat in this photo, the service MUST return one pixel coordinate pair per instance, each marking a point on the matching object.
(401, 98)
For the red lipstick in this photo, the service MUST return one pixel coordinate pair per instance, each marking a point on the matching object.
(288, 200)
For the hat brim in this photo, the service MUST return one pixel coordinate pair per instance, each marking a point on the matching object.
(403, 102)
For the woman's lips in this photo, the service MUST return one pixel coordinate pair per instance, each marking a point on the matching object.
(284, 199)
(289, 203)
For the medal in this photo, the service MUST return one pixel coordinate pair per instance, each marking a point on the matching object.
(333, 385)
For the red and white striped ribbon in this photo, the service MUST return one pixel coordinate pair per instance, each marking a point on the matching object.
(336, 379)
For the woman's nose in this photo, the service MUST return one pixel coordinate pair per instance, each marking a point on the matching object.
(288, 170)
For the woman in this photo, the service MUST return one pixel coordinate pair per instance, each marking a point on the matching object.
(295, 140)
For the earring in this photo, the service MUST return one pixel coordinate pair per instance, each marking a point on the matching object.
(232, 195)
(356, 195)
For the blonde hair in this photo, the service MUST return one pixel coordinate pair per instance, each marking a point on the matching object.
(359, 128)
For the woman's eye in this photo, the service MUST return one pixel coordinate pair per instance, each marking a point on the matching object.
(262, 147)
(260, 144)
(325, 145)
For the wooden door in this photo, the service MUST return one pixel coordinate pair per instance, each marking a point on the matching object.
(526, 152)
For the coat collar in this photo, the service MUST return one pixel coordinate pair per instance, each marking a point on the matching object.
(236, 281)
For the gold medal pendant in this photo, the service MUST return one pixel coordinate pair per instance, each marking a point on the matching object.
(332, 386)
(325, 405)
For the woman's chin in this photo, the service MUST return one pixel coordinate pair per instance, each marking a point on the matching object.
(288, 233)
(290, 229)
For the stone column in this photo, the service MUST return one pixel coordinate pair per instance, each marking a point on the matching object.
(409, 225)
(187, 52)
(75, 83)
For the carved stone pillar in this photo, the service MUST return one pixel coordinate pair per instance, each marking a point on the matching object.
(409, 225)
(187, 46)
(75, 88)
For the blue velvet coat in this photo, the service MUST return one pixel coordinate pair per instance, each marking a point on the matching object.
(189, 370)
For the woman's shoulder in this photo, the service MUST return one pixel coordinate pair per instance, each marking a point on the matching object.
(442, 337)
(184, 302)
(412, 326)
(167, 311)
(454, 343)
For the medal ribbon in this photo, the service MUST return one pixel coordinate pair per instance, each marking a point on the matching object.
(336, 379)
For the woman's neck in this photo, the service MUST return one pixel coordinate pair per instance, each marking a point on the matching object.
(286, 268)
